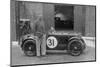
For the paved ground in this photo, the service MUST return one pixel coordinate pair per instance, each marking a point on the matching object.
(18, 58)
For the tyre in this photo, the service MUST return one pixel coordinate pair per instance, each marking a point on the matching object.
(75, 47)
(29, 48)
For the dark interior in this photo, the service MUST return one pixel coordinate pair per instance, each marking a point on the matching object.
(64, 17)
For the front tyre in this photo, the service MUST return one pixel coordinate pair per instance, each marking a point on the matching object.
(75, 47)
(29, 48)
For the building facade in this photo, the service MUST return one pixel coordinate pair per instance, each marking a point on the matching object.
(82, 17)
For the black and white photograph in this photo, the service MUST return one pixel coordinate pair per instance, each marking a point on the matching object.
(51, 33)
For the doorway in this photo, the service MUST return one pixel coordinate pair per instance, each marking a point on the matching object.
(64, 17)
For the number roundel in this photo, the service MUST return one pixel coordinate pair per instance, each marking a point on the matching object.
(52, 42)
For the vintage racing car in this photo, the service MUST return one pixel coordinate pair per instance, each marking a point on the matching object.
(71, 42)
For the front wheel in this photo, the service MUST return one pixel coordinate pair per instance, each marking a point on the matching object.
(29, 48)
(75, 47)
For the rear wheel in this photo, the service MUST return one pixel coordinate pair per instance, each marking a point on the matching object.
(29, 48)
(75, 47)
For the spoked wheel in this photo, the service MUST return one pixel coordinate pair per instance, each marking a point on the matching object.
(29, 48)
(75, 47)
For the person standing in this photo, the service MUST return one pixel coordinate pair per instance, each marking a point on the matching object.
(38, 29)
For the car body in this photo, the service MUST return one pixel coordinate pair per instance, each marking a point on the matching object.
(64, 41)
(71, 42)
